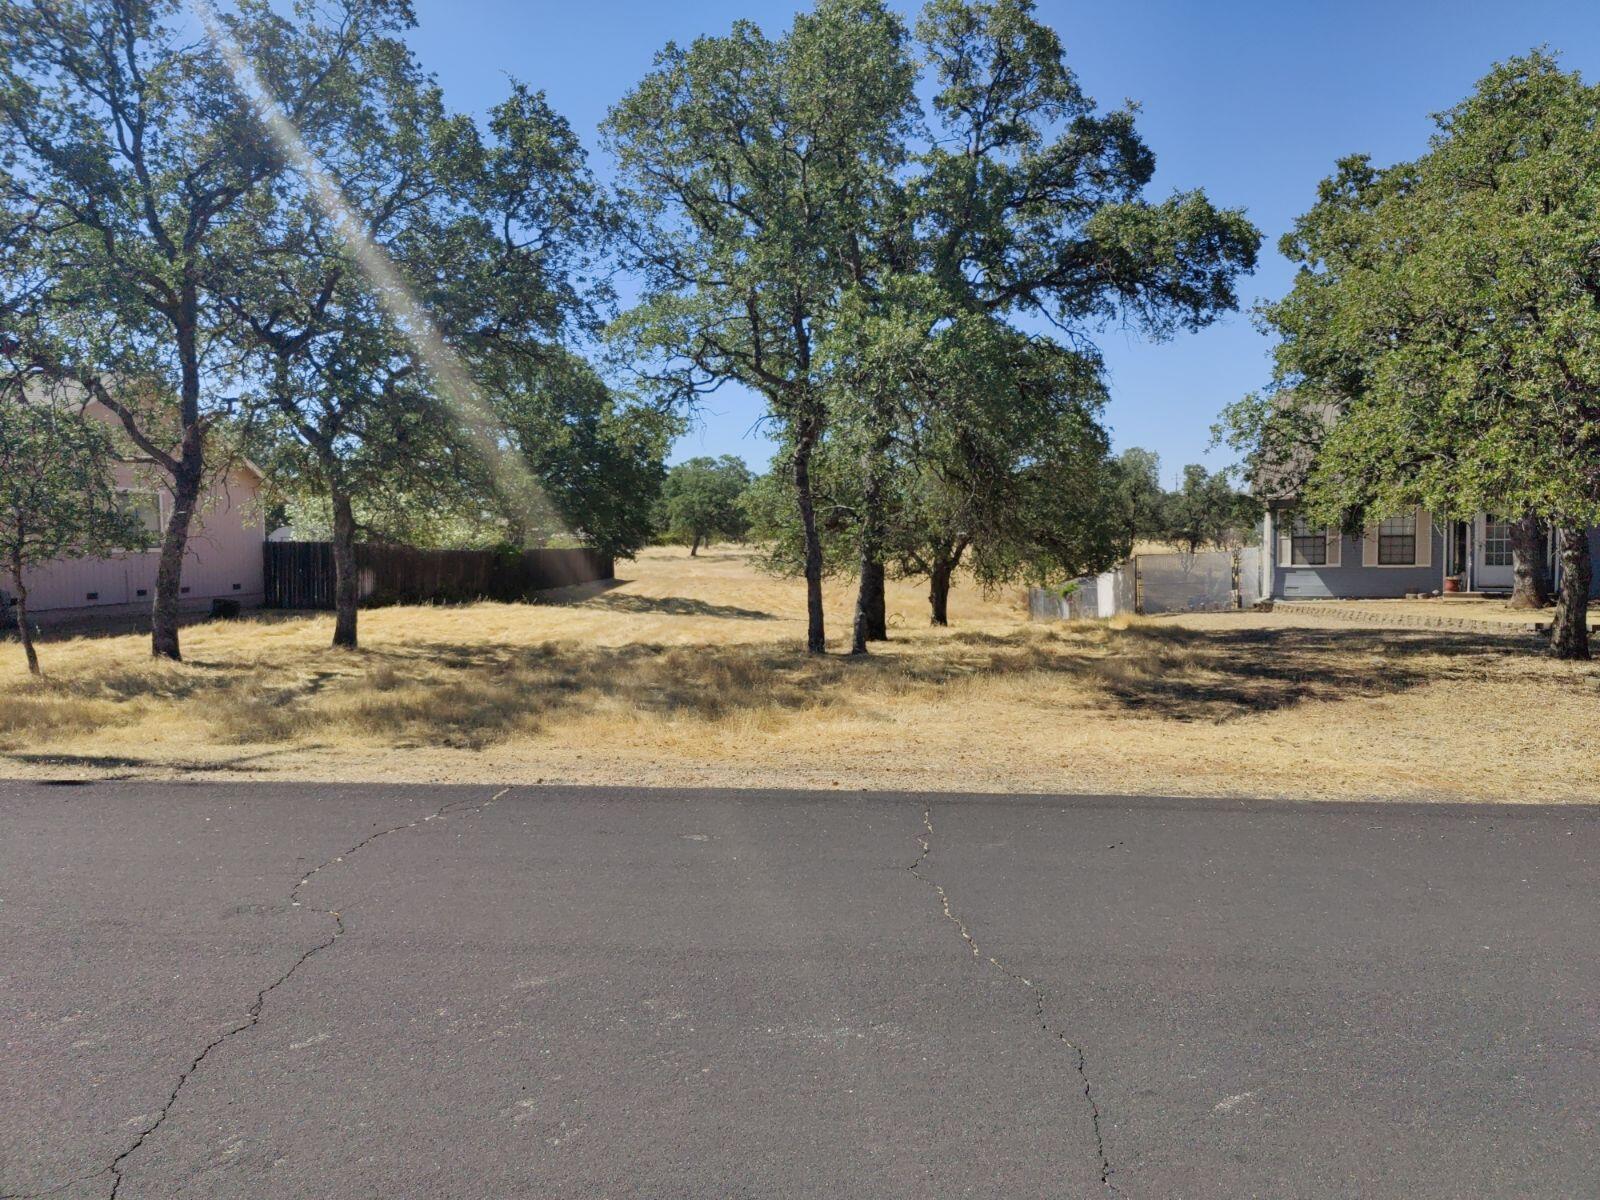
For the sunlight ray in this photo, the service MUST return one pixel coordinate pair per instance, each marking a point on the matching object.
(453, 381)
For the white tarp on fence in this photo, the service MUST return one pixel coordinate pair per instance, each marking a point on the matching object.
(1200, 582)
(1207, 581)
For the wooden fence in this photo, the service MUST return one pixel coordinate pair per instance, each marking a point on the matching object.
(300, 574)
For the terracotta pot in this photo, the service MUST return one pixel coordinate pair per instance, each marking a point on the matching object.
(1452, 584)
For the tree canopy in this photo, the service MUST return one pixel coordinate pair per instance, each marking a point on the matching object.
(130, 159)
(405, 303)
(703, 499)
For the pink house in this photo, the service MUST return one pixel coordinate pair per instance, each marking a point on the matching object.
(224, 559)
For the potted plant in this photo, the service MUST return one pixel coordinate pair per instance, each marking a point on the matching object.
(1452, 583)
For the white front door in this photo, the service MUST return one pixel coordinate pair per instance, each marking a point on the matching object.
(1493, 548)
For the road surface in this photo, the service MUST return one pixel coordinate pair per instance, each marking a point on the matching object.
(334, 991)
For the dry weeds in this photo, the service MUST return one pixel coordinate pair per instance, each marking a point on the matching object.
(692, 672)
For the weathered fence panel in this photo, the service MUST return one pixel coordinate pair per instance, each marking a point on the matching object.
(1078, 600)
(1249, 576)
(300, 574)
(1201, 582)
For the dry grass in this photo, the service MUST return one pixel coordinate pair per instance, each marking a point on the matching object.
(691, 672)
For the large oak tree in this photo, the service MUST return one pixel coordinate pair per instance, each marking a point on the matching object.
(406, 303)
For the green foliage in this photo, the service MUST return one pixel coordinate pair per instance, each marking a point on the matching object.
(56, 491)
(995, 458)
(746, 164)
(1136, 492)
(597, 458)
(1031, 198)
(702, 499)
(447, 407)
(772, 512)
(1205, 511)
(807, 232)
(135, 178)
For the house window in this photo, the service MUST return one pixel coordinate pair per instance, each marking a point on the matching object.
(1496, 542)
(1308, 547)
(146, 508)
(1397, 540)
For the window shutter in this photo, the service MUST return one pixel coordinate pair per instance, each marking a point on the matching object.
(1369, 546)
(1424, 539)
(1335, 545)
(1285, 549)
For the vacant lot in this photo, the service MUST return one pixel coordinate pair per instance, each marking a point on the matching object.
(691, 672)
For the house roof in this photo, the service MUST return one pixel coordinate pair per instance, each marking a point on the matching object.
(1290, 445)
(244, 461)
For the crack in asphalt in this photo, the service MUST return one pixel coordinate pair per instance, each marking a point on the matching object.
(253, 1013)
(1081, 1060)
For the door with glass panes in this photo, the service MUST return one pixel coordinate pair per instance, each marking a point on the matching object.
(1494, 554)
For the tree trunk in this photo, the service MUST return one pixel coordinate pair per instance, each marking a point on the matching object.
(871, 624)
(939, 591)
(188, 477)
(22, 618)
(816, 635)
(1569, 629)
(694, 546)
(169, 569)
(346, 579)
(1530, 586)
(877, 609)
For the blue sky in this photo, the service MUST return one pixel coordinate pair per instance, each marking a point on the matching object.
(1251, 101)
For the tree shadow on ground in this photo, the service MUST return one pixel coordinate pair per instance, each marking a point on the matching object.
(706, 555)
(575, 593)
(675, 606)
(1205, 675)
(473, 694)
(91, 625)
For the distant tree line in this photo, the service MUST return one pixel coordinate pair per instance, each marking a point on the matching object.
(1205, 510)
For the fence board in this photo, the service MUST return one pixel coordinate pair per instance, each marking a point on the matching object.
(300, 574)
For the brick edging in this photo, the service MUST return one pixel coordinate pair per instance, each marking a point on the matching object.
(1413, 620)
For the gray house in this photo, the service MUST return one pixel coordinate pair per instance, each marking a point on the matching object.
(1406, 553)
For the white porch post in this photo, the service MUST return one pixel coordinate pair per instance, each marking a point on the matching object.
(1269, 552)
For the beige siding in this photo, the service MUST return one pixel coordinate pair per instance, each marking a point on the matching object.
(223, 559)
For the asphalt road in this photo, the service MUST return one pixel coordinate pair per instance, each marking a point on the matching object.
(325, 991)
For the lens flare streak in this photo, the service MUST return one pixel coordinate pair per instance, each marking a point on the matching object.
(455, 384)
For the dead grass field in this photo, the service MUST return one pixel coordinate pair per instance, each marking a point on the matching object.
(691, 672)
